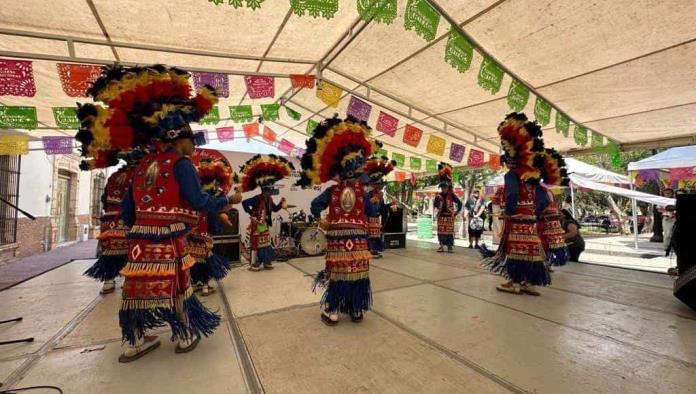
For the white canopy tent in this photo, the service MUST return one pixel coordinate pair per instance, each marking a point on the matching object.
(581, 170)
(680, 157)
(593, 173)
(592, 177)
(619, 191)
(602, 66)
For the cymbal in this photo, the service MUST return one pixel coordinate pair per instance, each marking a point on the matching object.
(290, 206)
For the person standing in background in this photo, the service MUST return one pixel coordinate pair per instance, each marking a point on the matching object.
(668, 219)
(445, 203)
(475, 212)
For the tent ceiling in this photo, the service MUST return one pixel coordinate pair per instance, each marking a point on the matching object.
(624, 68)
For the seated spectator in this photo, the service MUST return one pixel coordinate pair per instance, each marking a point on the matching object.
(574, 241)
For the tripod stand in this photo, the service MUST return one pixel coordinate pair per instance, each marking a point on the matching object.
(16, 319)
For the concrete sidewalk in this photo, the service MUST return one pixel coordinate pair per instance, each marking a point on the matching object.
(17, 271)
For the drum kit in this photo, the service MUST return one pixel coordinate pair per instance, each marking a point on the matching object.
(300, 236)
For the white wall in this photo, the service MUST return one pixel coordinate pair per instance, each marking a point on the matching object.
(84, 196)
(294, 195)
(36, 182)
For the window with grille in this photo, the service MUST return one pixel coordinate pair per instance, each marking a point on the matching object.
(9, 192)
(97, 190)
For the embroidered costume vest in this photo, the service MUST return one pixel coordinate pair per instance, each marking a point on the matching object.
(527, 201)
(261, 234)
(115, 190)
(347, 204)
(445, 204)
(160, 211)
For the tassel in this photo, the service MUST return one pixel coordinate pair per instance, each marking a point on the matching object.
(107, 267)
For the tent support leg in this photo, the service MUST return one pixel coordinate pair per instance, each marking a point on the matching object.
(572, 200)
(634, 210)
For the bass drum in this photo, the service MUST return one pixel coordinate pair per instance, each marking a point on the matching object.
(476, 224)
(313, 241)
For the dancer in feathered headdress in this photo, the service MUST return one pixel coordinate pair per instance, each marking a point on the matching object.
(376, 169)
(553, 173)
(262, 171)
(142, 104)
(113, 244)
(216, 176)
(337, 152)
(520, 256)
(445, 203)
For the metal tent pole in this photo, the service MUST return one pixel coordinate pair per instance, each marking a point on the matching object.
(572, 199)
(634, 208)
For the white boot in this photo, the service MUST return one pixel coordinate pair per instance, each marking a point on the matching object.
(187, 344)
(329, 318)
(143, 345)
(108, 287)
(207, 289)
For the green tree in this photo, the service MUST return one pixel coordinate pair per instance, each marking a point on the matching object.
(597, 202)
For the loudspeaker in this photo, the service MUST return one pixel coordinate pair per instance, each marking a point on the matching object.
(682, 239)
(395, 222)
(227, 246)
(394, 240)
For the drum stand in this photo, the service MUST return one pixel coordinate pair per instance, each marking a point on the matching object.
(16, 319)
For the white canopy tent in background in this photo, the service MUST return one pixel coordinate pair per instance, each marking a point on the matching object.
(592, 177)
(584, 171)
(594, 61)
(680, 157)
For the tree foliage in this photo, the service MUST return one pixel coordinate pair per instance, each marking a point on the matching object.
(597, 202)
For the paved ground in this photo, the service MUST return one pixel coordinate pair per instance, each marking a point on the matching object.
(28, 267)
(438, 326)
(611, 250)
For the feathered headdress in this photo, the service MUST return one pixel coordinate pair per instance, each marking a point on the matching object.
(142, 103)
(377, 168)
(214, 171)
(337, 148)
(521, 143)
(444, 171)
(263, 171)
(100, 159)
(553, 168)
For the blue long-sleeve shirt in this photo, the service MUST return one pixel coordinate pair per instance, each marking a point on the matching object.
(320, 203)
(512, 195)
(373, 209)
(189, 188)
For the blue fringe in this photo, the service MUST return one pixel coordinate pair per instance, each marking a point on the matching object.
(265, 255)
(219, 266)
(107, 267)
(321, 280)
(351, 297)
(446, 240)
(527, 272)
(215, 267)
(558, 257)
(375, 244)
(518, 271)
(136, 322)
(485, 252)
